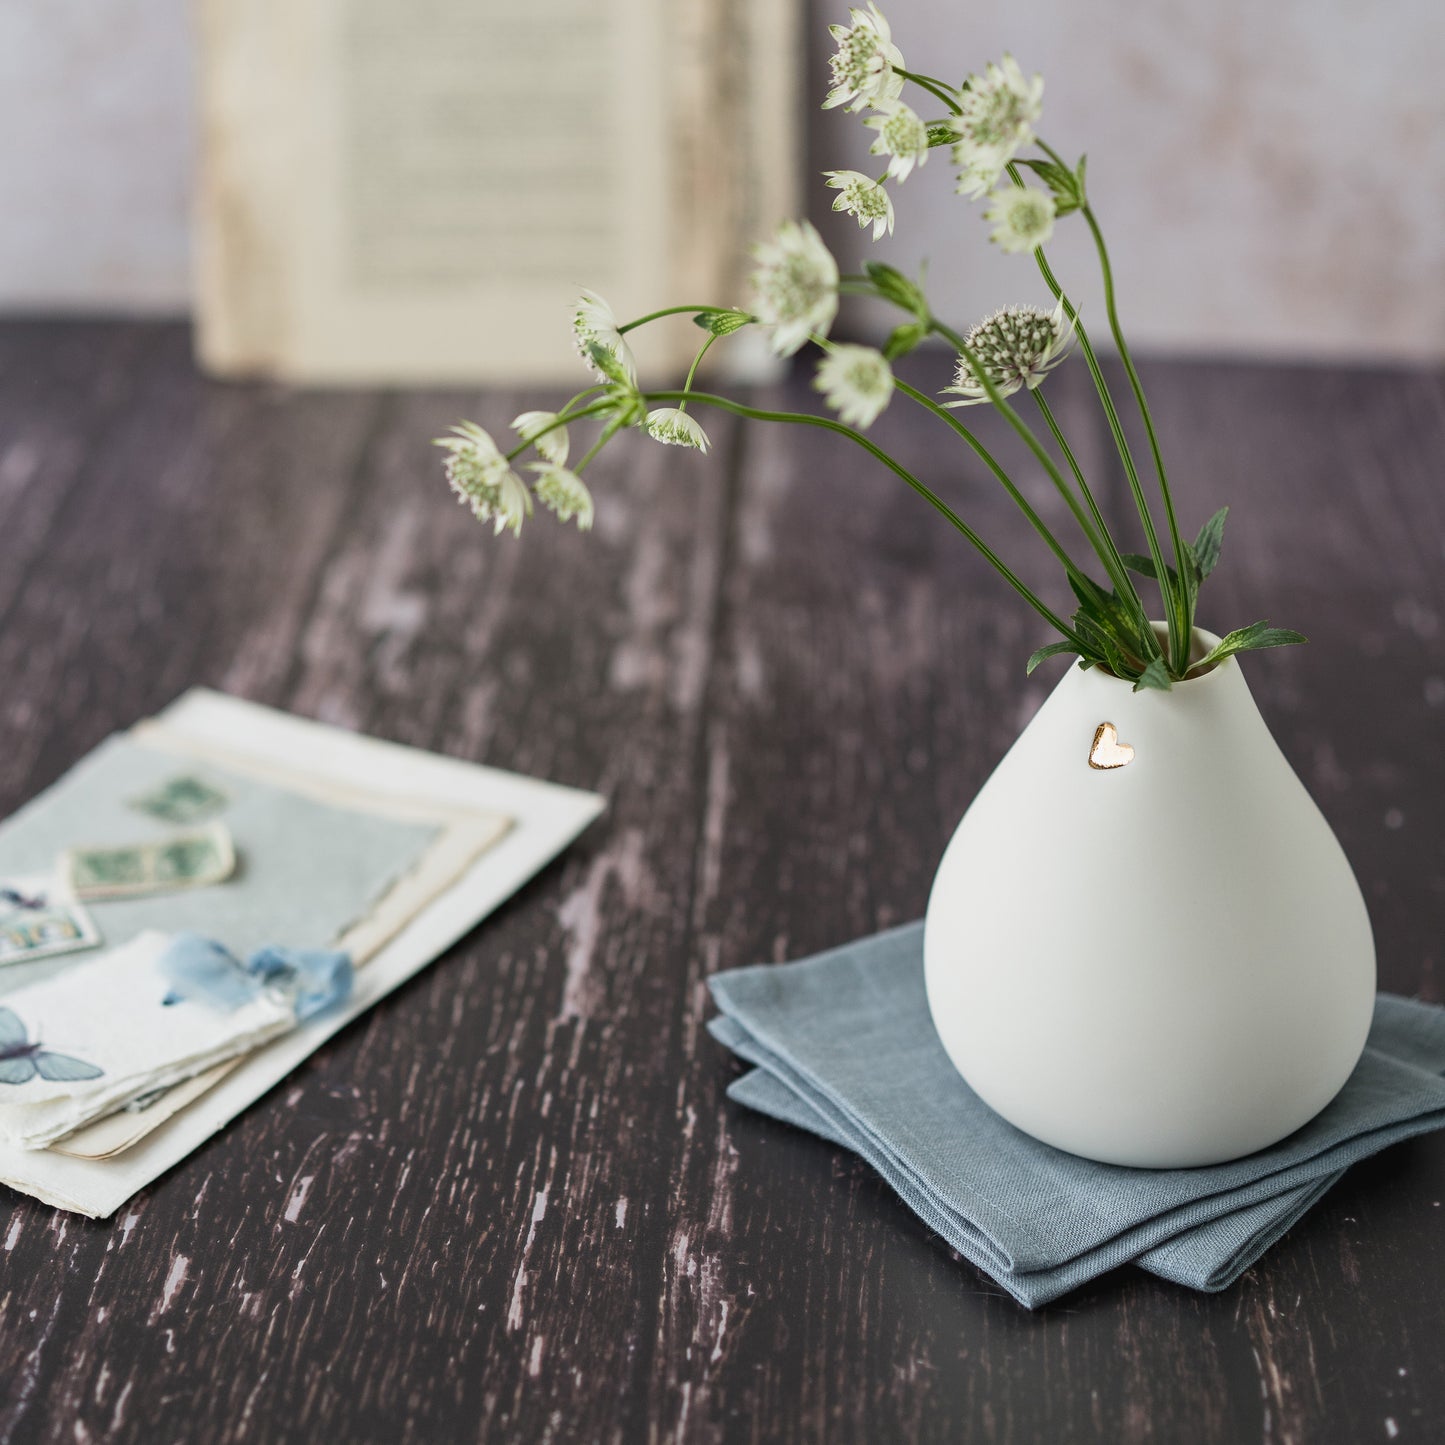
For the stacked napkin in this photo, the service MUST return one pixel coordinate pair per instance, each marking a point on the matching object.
(842, 1045)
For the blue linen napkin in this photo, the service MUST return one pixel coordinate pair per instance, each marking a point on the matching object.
(842, 1045)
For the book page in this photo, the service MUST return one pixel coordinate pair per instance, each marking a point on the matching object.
(418, 192)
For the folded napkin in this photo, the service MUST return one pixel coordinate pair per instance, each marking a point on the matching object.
(843, 1046)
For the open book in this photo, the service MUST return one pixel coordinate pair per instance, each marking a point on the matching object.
(416, 190)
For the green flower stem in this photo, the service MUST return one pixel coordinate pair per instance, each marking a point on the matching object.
(1116, 428)
(987, 458)
(565, 412)
(1118, 332)
(696, 362)
(597, 408)
(828, 424)
(1113, 562)
(935, 88)
(609, 431)
(668, 311)
(1024, 430)
(1179, 639)
(864, 286)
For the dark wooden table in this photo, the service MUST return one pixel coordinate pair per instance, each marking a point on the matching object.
(513, 1203)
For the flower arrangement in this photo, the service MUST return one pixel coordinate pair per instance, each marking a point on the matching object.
(989, 126)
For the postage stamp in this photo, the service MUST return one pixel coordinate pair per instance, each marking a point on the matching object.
(183, 800)
(186, 860)
(37, 922)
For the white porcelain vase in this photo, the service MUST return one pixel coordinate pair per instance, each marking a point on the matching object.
(1144, 944)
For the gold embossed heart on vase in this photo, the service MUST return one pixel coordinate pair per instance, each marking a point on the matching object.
(1144, 944)
(1107, 751)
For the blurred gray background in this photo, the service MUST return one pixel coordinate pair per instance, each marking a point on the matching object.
(1271, 177)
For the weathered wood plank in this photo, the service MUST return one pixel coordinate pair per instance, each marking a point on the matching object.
(61, 388)
(513, 1202)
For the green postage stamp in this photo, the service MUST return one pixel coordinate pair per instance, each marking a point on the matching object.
(185, 860)
(183, 800)
(36, 923)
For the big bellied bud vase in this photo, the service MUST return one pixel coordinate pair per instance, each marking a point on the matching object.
(1144, 944)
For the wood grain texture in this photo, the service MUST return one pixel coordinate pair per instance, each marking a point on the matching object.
(513, 1202)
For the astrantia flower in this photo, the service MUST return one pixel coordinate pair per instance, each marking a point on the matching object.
(902, 137)
(1017, 347)
(795, 286)
(676, 428)
(999, 111)
(979, 171)
(1022, 216)
(564, 493)
(864, 63)
(532, 427)
(482, 479)
(863, 197)
(857, 382)
(594, 324)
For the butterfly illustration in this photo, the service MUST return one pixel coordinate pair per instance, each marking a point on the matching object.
(17, 899)
(21, 1061)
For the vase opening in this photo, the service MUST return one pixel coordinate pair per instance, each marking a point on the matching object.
(1201, 644)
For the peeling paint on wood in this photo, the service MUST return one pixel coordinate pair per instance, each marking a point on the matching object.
(512, 1203)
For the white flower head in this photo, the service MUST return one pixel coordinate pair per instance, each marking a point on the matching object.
(795, 286)
(999, 110)
(676, 428)
(864, 63)
(1022, 216)
(857, 382)
(482, 479)
(594, 324)
(863, 197)
(979, 171)
(564, 493)
(1017, 347)
(532, 426)
(902, 137)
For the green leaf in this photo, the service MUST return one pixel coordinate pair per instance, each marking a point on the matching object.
(1248, 639)
(1194, 578)
(1144, 566)
(1092, 596)
(1275, 637)
(1115, 627)
(1155, 675)
(941, 133)
(608, 363)
(1052, 174)
(904, 339)
(1102, 643)
(894, 286)
(1067, 187)
(1105, 608)
(1044, 653)
(722, 323)
(1209, 541)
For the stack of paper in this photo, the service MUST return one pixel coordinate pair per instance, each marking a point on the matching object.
(226, 822)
